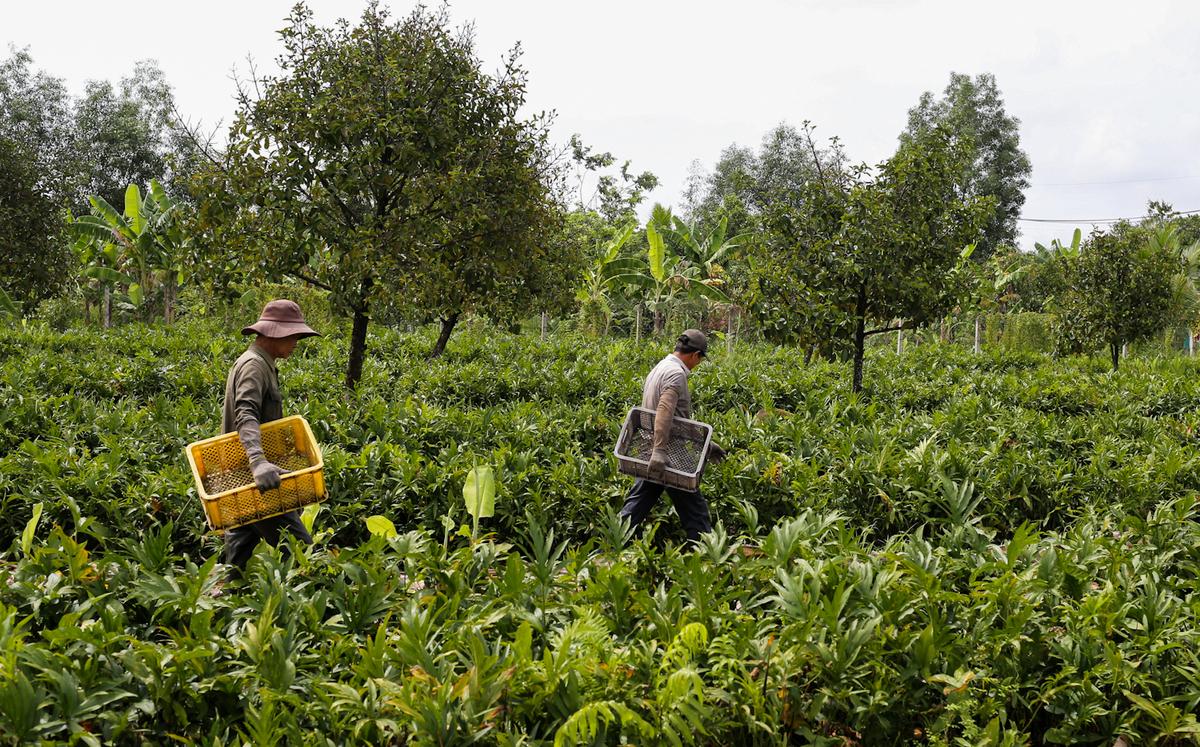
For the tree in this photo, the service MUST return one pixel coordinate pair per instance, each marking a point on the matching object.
(100, 143)
(616, 195)
(862, 251)
(1122, 287)
(973, 110)
(383, 165)
(35, 117)
(35, 263)
(745, 184)
(127, 134)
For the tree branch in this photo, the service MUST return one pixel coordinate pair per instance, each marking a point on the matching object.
(883, 330)
(310, 280)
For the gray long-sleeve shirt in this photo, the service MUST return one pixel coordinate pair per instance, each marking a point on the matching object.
(251, 396)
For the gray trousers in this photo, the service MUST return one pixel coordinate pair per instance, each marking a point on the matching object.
(689, 504)
(240, 542)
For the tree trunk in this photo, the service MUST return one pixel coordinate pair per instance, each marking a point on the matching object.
(447, 327)
(545, 323)
(169, 298)
(87, 311)
(637, 324)
(729, 329)
(107, 314)
(658, 321)
(900, 340)
(358, 347)
(1115, 349)
(860, 336)
(978, 332)
(809, 352)
(1191, 342)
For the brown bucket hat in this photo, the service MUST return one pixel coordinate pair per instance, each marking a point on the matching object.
(281, 318)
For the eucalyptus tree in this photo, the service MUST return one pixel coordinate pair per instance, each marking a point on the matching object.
(36, 118)
(383, 165)
(972, 109)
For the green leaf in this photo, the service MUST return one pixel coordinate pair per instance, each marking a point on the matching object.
(657, 253)
(381, 526)
(107, 275)
(133, 208)
(31, 529)
(309, 515)
(479, 493)
(8, 307)
(135, 294)
(110, 216)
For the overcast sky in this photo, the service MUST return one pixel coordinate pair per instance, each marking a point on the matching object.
(1108, 93)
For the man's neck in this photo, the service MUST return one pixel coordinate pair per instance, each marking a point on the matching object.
(264, 351)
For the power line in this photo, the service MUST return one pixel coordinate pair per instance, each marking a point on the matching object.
(1101, 220)
(1116, 181)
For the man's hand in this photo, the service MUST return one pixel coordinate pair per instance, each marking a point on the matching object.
(715, 453)
(658, 465)
(266, 475)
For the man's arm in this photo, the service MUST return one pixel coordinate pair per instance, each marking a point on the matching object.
(250, 388)
(663, 415)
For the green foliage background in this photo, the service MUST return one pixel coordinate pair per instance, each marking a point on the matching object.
(993, 549)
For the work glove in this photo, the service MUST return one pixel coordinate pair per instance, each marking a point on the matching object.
(658, 465)
(715, 453)
(266, 475)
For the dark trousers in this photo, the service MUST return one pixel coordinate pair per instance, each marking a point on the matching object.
(689, 504)
(241, 541)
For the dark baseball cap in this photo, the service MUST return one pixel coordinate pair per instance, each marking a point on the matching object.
(694, 339)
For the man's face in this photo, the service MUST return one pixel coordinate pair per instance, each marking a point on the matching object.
(287, 345)
(691, 360)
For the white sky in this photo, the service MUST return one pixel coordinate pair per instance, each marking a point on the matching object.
(1105, 91)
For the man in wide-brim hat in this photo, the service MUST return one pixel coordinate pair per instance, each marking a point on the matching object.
(251, 398)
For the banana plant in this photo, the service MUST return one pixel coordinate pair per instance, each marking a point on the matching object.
(707, 252)
(670, 277)
(1059, 249)
(1185, 286)
(145, 241)
(607, 275)
(101, 261)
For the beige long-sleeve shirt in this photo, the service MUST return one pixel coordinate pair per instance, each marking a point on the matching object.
(670, 373)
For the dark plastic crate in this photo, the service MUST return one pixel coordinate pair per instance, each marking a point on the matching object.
(687, 449)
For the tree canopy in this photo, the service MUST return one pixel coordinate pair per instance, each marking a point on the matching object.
(861, 250)
(972, 109)
(35, 260)
(385, 166)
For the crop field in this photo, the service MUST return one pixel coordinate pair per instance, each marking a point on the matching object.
(977, 549)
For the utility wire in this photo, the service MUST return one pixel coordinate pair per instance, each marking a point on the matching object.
(1117, 181)
(1101, 220)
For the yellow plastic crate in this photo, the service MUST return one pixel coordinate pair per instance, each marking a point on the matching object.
(226, 485)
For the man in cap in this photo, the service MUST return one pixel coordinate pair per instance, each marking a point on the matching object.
(666, 392)
(251, 398)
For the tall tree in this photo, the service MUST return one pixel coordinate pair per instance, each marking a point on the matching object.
(972, 109)
(35, 116)
(35, 261)
(745, 183)
(859, 253)
(385, 166)
(126, 134)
